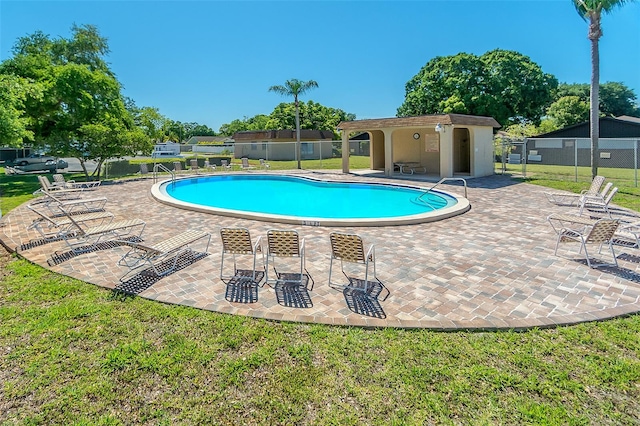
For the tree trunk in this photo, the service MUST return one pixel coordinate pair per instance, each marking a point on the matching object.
(298, 133)
(84, 168)
(594, 35)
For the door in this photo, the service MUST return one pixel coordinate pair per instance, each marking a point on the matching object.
(461, 152)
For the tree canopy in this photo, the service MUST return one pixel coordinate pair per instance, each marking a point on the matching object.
(312, 116)
(616, 98)
(79, 110)
(502, 84)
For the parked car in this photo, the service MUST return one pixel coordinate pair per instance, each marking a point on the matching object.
(37, 162)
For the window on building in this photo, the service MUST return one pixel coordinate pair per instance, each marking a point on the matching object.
(254, 146)
(306, 148)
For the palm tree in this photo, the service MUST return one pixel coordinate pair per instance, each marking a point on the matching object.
(592, 10)
(295, 87)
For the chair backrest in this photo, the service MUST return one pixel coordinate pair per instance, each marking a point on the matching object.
(58, 178)
(144, 168)
(236, 240)
(224, 163)
(245, 162)
(347, 247)
(602, 231)
(194, 163)
(596, 184)
(262, 162)
(177, 166)
(610, 195)
(207, 164)
(605, 190)
(44, 183)
(283, 243)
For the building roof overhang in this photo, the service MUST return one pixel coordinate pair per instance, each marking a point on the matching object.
(419, 121)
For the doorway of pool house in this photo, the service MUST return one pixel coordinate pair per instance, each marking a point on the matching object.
(461, 152)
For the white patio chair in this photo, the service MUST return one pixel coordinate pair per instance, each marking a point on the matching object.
(286, 244)
(237, 242)
(602, 232)
(350, 248)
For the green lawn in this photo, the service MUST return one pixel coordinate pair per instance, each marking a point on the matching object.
(72, 353)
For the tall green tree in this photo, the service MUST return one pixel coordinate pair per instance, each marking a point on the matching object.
(568, 110)
(503, 84)
(615, 98)
(295, 88)
(312, 116)
(14, 124)
(80, 101)
(591, 11)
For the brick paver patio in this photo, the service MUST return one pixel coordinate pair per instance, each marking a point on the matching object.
(490, 268)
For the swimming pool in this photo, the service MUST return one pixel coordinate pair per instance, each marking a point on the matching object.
(302, 200)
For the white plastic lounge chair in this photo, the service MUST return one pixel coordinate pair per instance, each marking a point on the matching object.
(349, 248)
(53, 226)
(601, 232)
(569, 199)
(237, 241)
(246, 165)
(72, 184)
(82, 238)
(285, 244)
(598, 203)
(141, 255)
(264, 165)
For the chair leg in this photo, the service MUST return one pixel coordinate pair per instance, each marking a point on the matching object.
(585, 253)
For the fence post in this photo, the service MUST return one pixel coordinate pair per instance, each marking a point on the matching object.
(635, 163)
(575, 158)
(524, 157)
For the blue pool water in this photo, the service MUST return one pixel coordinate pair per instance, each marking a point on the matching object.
(305, 198)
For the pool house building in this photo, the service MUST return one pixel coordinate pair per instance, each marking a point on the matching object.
(443, 145)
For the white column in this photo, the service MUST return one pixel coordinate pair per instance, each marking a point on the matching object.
(345, 151)
(446, 152)
(388, 152)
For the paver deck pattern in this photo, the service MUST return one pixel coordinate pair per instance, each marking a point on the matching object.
(490, 268)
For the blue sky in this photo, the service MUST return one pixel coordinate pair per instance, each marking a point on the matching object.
(213, 61)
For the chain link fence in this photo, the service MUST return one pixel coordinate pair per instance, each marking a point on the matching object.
(570, 158)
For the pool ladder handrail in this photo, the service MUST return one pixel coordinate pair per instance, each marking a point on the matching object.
(441, 181)
(161, 166)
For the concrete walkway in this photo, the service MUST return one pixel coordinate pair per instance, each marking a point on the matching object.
(490, 268)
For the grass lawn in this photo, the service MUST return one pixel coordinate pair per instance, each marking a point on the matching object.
(73, 353)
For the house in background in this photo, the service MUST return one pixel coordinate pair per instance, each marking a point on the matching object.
(281, 144)
(166, 149)
(359, 144)
(618, 144)
(444, 145)
(213, 140)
